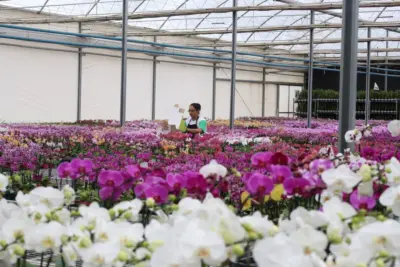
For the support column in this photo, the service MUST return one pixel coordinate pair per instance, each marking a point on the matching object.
(124, 62)
(348, 72)
(278, 89)
(263, 94)
(214, 90)
(233, 68)
(310, 72)
(368, 80)
(79, 106)
(154, 86)
(386, 61)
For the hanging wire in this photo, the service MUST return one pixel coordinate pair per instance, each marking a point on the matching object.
(237, 91)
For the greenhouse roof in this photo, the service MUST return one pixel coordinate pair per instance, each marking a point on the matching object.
(260, 22)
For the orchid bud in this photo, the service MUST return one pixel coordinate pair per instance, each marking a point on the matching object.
(85, 243)
(129, 244)
(247, 227)
(123, 256)
(37, 217)
(68, 194)
(150, 202)
(380, 263)
(184, 193)
(381, 218)
(363, 212)
(49, 216)
(365, 172)
(75, 213)
(238, 250)
(19, 251)
(128, 215)
(17, 178)
(64, 239)
(273, 231)
(172, 198)
(335, 238)
(383, 254)
(253, 235)
(111, 213)
(3, 243)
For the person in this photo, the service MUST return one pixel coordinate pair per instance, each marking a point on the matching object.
(195, 124)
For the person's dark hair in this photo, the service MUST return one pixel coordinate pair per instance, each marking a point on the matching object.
(196, 106)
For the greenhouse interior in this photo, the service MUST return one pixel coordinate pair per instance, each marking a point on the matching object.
(200, 133)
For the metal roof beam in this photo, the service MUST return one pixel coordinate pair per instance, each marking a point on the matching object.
(291, 2)
(187, 12)
(92, 7)
(165, 21)
(328, 51)
(264, 29)
(44, 5)
(301, 42)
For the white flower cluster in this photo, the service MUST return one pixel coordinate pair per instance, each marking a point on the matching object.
(241, 140)
(206, 233)
(326, 238)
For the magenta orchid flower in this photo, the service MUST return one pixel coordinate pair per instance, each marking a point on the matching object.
(82, 166)
(259, 184)
(279, 159)
(280, 173)
(261, 159)
(65, 170)
(176, 182)
(318, 166)
(362, 202)
(296, 186)
(195, 183)
(110, 183)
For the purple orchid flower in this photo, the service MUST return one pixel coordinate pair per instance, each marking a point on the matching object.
(261, 159)
(110, 182)
(318, 166)
(195, 183)
(280, 173)
(65, 170)
(82, 166)
(176, 182)
(279, 159)
(295, 186)
(133, 171)
(362, 202)
(159, 192)
(259, 184)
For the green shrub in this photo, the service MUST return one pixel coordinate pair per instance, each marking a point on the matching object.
(323, 108)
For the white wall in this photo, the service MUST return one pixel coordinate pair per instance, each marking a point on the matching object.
(247, 99)
(286, 96)
(101, 88)
(41, 85)
(183, 85)
(270, 100)
(37, 85)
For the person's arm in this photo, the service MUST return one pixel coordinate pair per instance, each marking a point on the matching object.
(203, 126)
